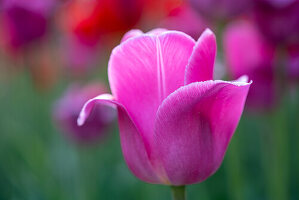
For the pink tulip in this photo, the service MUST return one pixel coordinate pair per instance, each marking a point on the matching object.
(175, 122)
(248, 53)
(67, 109)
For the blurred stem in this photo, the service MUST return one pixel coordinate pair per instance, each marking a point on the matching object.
(178, 192)
(297, 136)
(233, 167)
(276, 156)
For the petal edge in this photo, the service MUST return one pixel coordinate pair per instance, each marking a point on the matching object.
(133, 147)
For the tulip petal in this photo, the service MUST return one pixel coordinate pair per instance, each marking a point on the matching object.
(144, 70)
(194, 126)
(133, 148)
(201, 63)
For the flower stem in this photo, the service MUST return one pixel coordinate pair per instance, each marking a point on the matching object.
(178, 192)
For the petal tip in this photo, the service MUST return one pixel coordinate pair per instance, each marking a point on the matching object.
(208, 31)
(131, 34)
(243, 78)
(80, 120)
(157, 31)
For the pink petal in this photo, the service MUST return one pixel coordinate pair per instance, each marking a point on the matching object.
(194, 126)
(146, 69)
(131, 141)
(201, 63)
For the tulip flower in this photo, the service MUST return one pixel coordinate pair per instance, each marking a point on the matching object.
(89, 20)
(25, 21)
(278, 20)
(221, 9)
(67, 109)
(87, 26)
(254, 57)
(175, 121)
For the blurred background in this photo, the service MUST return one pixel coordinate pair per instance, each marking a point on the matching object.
(54, 56)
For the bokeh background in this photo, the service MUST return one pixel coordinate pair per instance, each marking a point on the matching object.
(54, 56)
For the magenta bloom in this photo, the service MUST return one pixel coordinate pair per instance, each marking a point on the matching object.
(254, 57)
(278, 20)
(175, 122)
(25, 21)
(221, 9)
(67, 109)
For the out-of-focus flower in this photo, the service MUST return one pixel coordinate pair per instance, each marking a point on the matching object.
(67, 109)
(293, 62)
(25, 22)
(155, 11)
(221, 9)
(175, 122)
(90, 20)
(110, 16)
(88, 24)
(183, 18)
(278, 20)
(248, 53)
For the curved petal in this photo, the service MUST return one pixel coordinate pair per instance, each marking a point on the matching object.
(202, 60)
(194, 126)
(132, 144)
(146, 69)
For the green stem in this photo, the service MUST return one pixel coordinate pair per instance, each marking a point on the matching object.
(234, 168)
(276, 156)
(178, 192)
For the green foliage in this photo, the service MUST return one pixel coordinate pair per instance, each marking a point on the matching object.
(38, 162)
